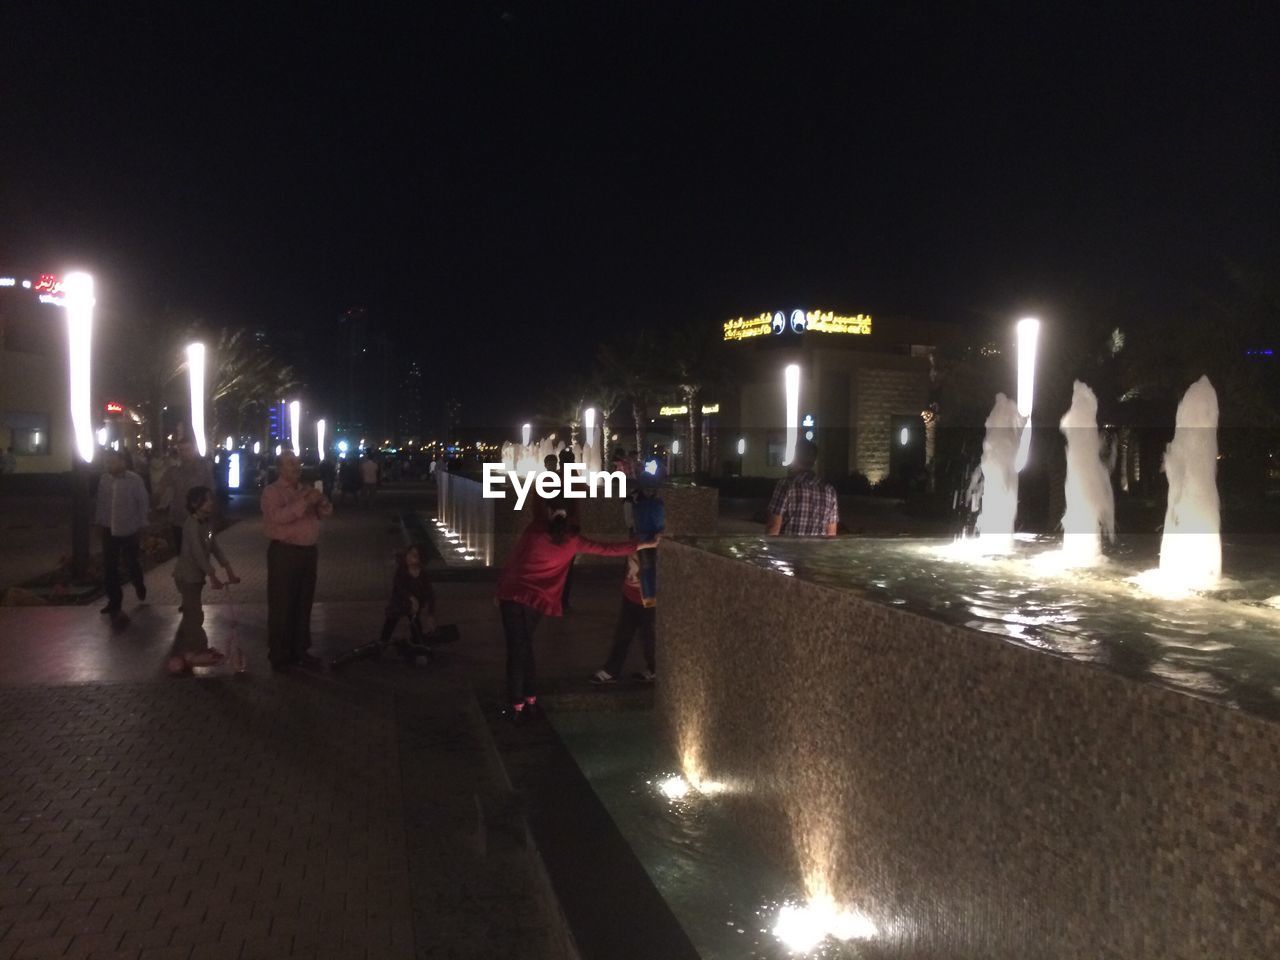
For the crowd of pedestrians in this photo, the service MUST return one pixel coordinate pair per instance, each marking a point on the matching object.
(535, 581)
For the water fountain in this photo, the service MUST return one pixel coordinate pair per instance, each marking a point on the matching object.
(1191, 548)
(999, 503)
(1090, 516)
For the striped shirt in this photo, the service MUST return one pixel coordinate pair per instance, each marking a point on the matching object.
(806, 504)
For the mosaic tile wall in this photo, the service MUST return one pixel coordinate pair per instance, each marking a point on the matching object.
(974, 798)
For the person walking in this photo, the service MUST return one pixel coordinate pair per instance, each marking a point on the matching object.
(194, 565)
(368, 478)
(189, 472)
(530, 587)
(802, 505)
(291, 520)
(121, 513)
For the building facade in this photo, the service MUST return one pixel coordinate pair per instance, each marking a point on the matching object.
(35, 417)
(863, 394)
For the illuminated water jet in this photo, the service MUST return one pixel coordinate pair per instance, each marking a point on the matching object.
(999, 498)
(1090, 516)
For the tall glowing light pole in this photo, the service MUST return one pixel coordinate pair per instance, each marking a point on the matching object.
(526, 434)
(320, 437)
(1028, 336)
(78, 301)
(195, 371)
(791, 383)
(295, 425)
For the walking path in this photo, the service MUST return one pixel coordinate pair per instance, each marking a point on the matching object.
(308, 814)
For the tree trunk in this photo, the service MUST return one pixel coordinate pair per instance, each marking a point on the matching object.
(639, 412)
(694, 400)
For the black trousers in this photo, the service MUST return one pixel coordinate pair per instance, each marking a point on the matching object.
(518, 623)
(631, 618)
(291, 589)
(113, 548)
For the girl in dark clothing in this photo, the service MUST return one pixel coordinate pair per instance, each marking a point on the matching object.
(531, 585)
(411, 597)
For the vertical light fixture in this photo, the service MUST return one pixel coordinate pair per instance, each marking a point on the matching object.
(257, 447)
(791, 381)
(320, 437)
(589, 425)
(195, 372)
(675, 446)
(742, 446)
(78, 292)
(230, 444)
(233, 472)
(526, 434)
(295, 424)
(1028, 335)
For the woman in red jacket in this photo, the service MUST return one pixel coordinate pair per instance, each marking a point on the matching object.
(530, 587)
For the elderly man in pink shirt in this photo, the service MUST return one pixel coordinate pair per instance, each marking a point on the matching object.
(291, 516)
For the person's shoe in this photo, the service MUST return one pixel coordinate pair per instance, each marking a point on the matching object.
(110, 610)
(141, 589)
(647, 676)
(603, 676)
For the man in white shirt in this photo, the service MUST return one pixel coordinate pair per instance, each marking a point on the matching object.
(368, 478)
(121, 513)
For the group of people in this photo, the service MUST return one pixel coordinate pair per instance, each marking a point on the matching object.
(533, 583)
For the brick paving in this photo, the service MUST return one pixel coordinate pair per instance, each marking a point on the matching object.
(309, 814)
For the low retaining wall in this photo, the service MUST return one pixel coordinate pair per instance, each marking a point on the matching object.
(972, 797)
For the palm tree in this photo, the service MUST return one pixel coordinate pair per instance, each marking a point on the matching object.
(699, 366)
(245, 378)
(634, 367)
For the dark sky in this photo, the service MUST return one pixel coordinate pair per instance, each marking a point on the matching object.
(502, 184)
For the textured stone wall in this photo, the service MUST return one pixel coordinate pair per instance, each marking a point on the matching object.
(974, 798)
(880, 395)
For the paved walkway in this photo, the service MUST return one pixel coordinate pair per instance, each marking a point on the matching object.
(307, 814)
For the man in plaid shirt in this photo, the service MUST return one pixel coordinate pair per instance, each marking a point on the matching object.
(802, 505)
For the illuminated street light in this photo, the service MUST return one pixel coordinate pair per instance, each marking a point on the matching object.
(230, 444)
(295, 416)
(589, 424)
(257, 447)
(675, 446)
(742, 446)
(320, 436)
(791, 381)
(1028, 334)
(195, 370)
(78, 292)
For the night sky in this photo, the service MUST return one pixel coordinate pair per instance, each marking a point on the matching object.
(505, 185)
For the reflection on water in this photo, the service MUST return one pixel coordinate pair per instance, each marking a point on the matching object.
(1222, 645)
(727, 898)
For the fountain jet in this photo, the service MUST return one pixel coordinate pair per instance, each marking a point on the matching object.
(1191, 548)
(1090, 515)
(999, 477)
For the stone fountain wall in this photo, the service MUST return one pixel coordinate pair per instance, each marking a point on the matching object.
(974, 798)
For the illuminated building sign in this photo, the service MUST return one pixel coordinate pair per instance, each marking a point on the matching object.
(680, 411)
(799, 321)
(49, 289)
(115, 408)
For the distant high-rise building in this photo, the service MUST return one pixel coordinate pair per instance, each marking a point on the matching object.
(452, 419)
(409, 409)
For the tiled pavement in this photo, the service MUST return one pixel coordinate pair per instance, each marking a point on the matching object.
(362, 814)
